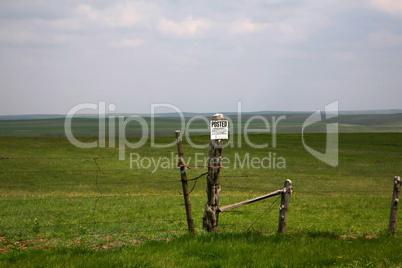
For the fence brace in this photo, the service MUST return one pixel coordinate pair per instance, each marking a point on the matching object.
(286, 192)
(182, 165)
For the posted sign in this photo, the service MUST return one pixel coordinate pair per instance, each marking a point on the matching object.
(219, 129)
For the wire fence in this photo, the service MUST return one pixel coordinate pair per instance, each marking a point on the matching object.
(27, 206)
(25, 201)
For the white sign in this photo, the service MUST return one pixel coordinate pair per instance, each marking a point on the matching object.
(219, 129)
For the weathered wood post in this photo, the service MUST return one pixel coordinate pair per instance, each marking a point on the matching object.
(283, 209)
(186, 195)
(211, 212)
(394, 204)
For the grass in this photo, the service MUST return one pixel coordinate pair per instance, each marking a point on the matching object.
(164, 126)
(222, 250)
(58, 209)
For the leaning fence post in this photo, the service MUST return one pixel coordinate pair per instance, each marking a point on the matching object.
(211, 212)
(186, 195)
(283, 209)
(394, 204)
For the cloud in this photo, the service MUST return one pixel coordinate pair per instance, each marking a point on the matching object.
(343, 56)
(182, 59)
(82, 26)
(86, 49)
(120, 15)
(391, 6)
(187, 27)
(20, 37)
(30, 32)
(285, 28)
(246, 26)
(88, 11)
(385, 39)
(128, 43)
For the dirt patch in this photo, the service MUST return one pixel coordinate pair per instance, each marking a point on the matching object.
(354, 236)
(7, 244)
(371, 236)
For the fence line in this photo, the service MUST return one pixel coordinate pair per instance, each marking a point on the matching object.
(93, 183)
(307, 208)
(85, 210)
(385, 221)
(70, 158)
(310, 191)
(100, 196)
(88, 197)
(71, 171)
(97, 198)
(102, 170)
(91, 223)
(177, 181)
(349, 221)
(56, 158)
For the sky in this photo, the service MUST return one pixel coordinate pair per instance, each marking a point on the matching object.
(200, 56)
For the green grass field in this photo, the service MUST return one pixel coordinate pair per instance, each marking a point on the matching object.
(164, 126)
(65, 206)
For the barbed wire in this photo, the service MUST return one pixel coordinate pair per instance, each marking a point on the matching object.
(77, 158)
(339, 221)
(290, 222)
(96, 198)
(89, 183)
(91, 223)
(323, 208)
(241, 176)
(310, 191)
(54, 158)
(128, 232)
(343, 191)
(135, 232)
(242, 187)
(86, 210)
(75, 170)
(175, 205)
(90, 197)
(102, 170)
(263, 213)
(96, 181)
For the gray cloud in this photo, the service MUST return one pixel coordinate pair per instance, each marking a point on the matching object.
(271, 55)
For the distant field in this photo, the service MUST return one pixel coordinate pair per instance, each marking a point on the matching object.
(61, 205)
(164, 126)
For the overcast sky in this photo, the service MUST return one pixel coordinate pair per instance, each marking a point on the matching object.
(201, 56)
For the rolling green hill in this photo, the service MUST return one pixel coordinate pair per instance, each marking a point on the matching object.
(88, 127)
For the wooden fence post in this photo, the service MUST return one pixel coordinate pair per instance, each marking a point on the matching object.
(283, 209)
(394, 204)
(211, 212)
(186, 195)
